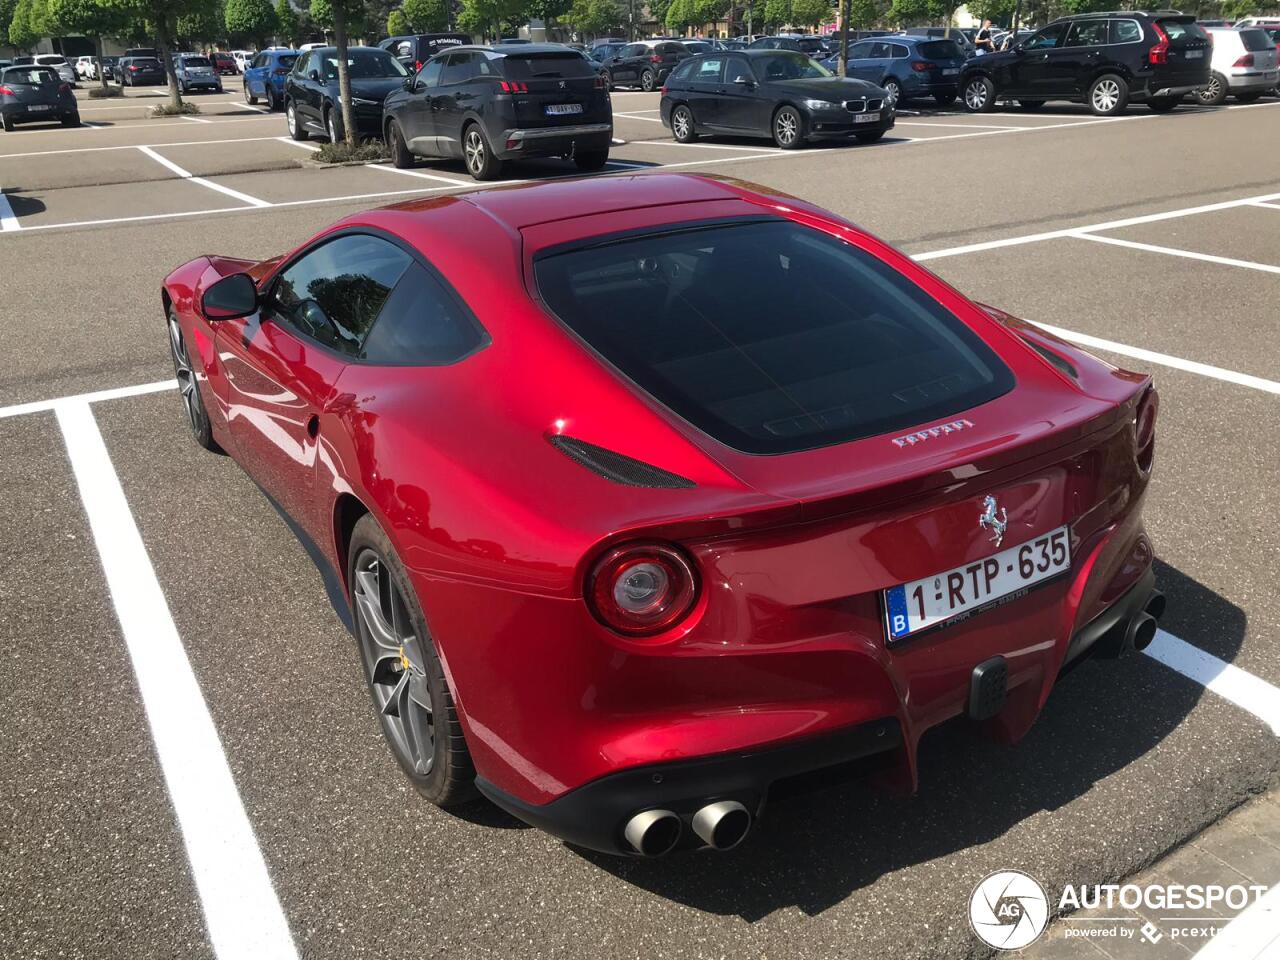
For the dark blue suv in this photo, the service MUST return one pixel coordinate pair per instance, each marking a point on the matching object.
(907, 67)
(264, 76)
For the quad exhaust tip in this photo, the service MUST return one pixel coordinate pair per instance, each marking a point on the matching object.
(652, 833)
(722, 825)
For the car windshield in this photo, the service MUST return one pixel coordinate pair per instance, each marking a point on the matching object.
(707, 321)
(787, 65)
(51, 61)
(365, 65)
(29, 76)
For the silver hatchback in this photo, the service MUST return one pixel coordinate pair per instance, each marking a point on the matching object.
(1243, 65)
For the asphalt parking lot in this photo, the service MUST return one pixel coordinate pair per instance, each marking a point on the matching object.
(1149, 239)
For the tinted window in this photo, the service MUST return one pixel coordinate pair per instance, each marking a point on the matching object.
(1050, 36)
(786, 65)
(334, 293)
(286, 60)
(709, 70)
(430, 75)
(684, 71)
(810, 44)
(1255, 40)
(365, 65)
(145, 63)
(738, 69)
(729, 346)
(301, 66)
(196, 62)
(458, 68)
(422, 323)
(696, 46)
(1125, 31)
(1088, 33)
(879, 51)
(634, 50)
(30, 76)
(554, 66)
(860, 51)
(940, 50)
(898, 50)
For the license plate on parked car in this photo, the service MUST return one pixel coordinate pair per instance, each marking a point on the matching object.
(560, 109)
(866, 117)
(950, 71)
(39, 106)
(1195, 54)
(921, 604)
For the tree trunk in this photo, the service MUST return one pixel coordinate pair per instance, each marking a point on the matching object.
(844, 37)
(102, 73)
(344, 80)
(164, 43)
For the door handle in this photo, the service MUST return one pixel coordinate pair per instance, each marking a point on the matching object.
(313, 426)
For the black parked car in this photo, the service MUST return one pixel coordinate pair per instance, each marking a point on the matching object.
(139, 71)
(414, 51)
(311, 91)
(774, 93)
(504, 102)
(809, 46)
(34, 93)
(645, 64)
(1104, 60)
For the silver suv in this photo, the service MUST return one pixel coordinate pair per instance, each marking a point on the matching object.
(1243, 65)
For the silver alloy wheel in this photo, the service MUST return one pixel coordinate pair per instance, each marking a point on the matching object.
(332, 126)
(975, 94)
(1106, 94)
(893, 91)
(681, 123)
(395, 662)
(291, 117)
(646, 81)
(186, 377)
(1211, 91)
(786, 127)
(474, 149)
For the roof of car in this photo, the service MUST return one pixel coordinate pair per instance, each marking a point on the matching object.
(513, 49)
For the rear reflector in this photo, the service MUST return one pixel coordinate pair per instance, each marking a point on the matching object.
(1245, 61)
(922, 66)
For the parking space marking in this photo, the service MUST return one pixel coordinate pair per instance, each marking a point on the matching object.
(1263, 203)
(1253, 934)
(1246, 691)
(1171, 251)
(115, 393)
(135, 146)
(186, 175)
(709, 146)
(242, 912)
(305, 145)
(1164, 359)
(418, 173)
(8, 221)
(960, 126)
(194, 119)
(1091, 228)
(632, 116)
(1250, 106)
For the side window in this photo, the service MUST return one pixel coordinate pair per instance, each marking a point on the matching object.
(455, 69)
(1050, 36)
(1125, 31)
(430, 75)
(879, 51)
(299, 68)
(422, 323)
(899, 52)
(1088, 33)
(634, 50)
(738, 69)
(860, 51)
(709, 71)
(403, 50)
(334, 293)
(684, 71)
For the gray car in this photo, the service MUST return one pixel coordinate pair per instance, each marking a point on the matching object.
(58, 63)
(195, 72)
(1243, 65)
(32, 93)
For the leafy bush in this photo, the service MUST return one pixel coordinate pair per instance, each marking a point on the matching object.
(99, 93)
(169, 110)
(366, 152)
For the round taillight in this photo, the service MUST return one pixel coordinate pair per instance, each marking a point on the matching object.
(643, 589)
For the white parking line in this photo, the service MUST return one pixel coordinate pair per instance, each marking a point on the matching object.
(193, 119)
(1253, 934)
(708, 146)
(186, 175)
(241, 910)
(115, 393)
(1090, 228)
(1263, 203)
(960, 126)
(135, 146)
(1250, 106)
(1170, 251)
(419, 173)
(632, 116)
(1164, 359)
(8, 221)
(303, 144)
(1226, 680)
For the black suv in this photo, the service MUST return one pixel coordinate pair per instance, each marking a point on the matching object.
(1104, 60)
(645, 64)
(311, 91)
(490, 104)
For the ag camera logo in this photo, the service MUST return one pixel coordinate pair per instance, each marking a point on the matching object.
(1008, 910)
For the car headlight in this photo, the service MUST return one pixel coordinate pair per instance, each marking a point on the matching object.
(819, 104)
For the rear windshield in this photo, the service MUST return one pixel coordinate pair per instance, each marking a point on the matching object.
(707, 320)
(1180, 30)
(29, 76)
(810, 44)
(287, 60)
(51, 60)
(698, 46)
(1255, 40)
(365, 65)
(554, 66)
(196, 62)
(940, 50)
(144, 63)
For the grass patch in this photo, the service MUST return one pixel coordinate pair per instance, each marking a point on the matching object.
(169, 110)
(100, 92)
(339, 152)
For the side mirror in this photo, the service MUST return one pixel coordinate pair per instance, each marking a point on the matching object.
(410, 83)
(231, 297)
(314, 74)
(745, 81)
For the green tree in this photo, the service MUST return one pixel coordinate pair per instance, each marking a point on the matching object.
(204, 24)
(255, 19)
(488, 16)
(595, 17)
(22, 35)
(397, 25)
(288, 27)
(776, 13)
(162, 16)
(344, 17)
(908, 12)
(88, 17)
(810, 13)
(426, 16)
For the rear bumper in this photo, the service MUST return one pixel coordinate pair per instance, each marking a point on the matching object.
(553, 141)
(20, 113)
(1249, 80)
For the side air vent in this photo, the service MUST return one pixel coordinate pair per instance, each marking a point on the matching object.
(614, 466)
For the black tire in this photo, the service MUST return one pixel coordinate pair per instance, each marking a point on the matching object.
(249, 97)
(7, 123)
(1163, 104)
(871, 136)
(944, 99)
(590, 161)
(683, 129)
(71, 120)
(788, 127)
(1108, 95)
(979, 94)
(272, 104)
(333, 128)
(189, 387)
(894, 90)
(400, 154)
(608, 81)
(1030, 104)
(478, 155)
(648, 80)
(1247, 97)
(1215, 93)
(444, 773)
(296, 130)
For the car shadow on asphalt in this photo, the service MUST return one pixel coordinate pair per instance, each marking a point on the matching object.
(841, 833)
(22, 206)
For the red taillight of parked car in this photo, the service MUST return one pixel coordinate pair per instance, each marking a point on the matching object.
(923, 66)
(641, 590)
(132, 68)
(281, 71)
(1144, 426)
(656, 58)
(513, 86)
(7, 92)
(1160, 52)
(602, 84)
(417, 65)
(1245, 61)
